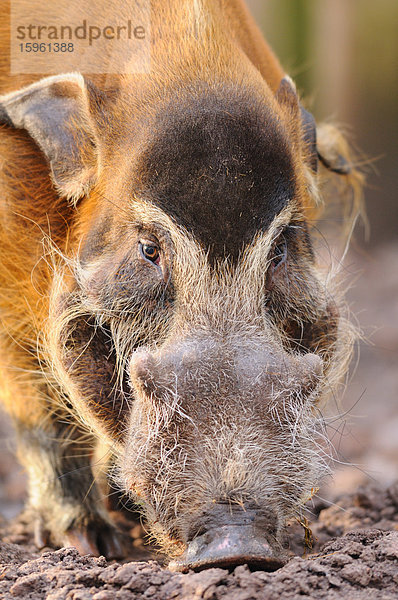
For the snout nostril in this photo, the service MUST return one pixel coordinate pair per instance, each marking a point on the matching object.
(227, 536)
(227, 547)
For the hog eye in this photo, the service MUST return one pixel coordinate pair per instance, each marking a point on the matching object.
(279, 254)
(150, 251)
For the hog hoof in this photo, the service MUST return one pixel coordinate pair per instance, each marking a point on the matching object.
(93, 537)
(98, 540)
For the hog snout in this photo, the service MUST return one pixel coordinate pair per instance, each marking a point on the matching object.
(222, 420)
(230, 536)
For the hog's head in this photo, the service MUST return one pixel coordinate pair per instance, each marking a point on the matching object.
(190, 324)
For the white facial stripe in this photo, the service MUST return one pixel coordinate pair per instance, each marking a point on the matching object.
(229, 289)
(264, 241)
(148, 213)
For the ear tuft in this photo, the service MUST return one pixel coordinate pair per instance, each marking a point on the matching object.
(341, 177)
(286, 94)
(333, 150)
(55, 111)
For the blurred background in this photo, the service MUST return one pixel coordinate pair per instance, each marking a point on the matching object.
(343, 55)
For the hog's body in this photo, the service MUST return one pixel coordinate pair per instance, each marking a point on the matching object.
(175, 306)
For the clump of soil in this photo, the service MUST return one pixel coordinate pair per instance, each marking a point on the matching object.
(357, 564)
(371, 506)
(346, 568)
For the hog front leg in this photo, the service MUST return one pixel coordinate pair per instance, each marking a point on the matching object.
(63, 498)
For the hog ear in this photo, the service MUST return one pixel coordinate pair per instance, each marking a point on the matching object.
(287, 97)
(302, 122)
(286, 92)
(55, 112)
(333, 150)
(309, 137)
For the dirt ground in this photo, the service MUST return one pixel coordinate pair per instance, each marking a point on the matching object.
(359, 561)
(354, 517)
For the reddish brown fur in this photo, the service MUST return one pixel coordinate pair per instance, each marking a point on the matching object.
(24, 300)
